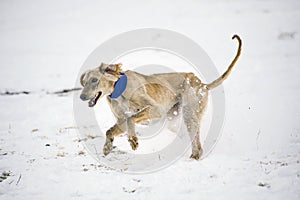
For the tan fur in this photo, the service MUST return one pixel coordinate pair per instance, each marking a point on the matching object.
(149, 97)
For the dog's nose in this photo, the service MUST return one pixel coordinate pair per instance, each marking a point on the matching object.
(83, 97)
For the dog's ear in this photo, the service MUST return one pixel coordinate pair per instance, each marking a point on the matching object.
(113, 68)
(102, 67)
(81, 78)
(119, 67)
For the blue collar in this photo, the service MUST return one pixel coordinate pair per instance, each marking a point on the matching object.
(120, 86)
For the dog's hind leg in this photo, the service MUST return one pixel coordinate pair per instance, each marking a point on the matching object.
(175, 109)
(192, 123)
(194, 105)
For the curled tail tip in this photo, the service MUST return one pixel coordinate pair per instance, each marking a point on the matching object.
(219, 80)
(235, 36)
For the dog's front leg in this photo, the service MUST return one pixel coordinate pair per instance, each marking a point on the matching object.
(147, 113)
(132, 138)
(110, 134)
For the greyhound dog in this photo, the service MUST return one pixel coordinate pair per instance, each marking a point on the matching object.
(136, 98)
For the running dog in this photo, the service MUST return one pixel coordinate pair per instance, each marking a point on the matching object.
(136, 98)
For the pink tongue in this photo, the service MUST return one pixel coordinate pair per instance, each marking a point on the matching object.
(92, 102)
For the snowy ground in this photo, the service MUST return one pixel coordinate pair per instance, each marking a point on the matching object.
(43, 46)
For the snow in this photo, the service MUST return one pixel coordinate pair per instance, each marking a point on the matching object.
(44, 44)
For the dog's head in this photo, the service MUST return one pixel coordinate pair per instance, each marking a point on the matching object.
(99, 82)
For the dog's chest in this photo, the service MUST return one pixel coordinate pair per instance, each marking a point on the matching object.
(122, 108)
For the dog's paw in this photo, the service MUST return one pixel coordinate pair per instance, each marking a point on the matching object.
(107, 148)
(196, 154)
(133, 140)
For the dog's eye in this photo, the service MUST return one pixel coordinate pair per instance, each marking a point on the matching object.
(94, 80)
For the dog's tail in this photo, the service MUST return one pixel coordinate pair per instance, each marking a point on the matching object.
(219, 80)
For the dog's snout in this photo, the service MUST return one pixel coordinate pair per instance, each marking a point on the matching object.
(83, 97)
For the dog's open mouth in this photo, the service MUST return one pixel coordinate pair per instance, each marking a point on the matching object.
(94, 100)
